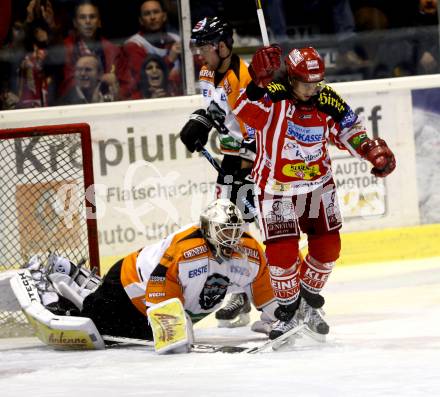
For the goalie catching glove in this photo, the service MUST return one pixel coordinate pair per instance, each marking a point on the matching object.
(194, 134)
(378, 153)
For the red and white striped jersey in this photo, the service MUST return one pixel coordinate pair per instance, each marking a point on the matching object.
(293, 137)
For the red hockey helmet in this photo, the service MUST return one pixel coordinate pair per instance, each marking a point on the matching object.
(305, 64)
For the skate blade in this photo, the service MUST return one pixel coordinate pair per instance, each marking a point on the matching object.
(241, 320)
(314, 335)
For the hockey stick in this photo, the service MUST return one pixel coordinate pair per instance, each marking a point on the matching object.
(195, 347)
(222, 172)
(262, 23)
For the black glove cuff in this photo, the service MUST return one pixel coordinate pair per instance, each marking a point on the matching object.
(254, 92)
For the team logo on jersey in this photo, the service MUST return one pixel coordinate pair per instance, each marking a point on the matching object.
(276, 87)
(206, 73)
(301, 170)
(349, 119)
(242, 271)
(214, 291)
(330, 102)
(227, 87)
(304, 134)
(250, 131)
(291, 151)
(197, 272)
(280, 218)
(195, 251)
(207, 92)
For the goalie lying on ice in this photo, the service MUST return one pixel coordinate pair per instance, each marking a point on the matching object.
(198, 264)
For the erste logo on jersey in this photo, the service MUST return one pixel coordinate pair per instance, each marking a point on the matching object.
(304, 134)
(198, 272)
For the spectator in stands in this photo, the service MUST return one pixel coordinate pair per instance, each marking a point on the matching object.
(154, 78)
(427, 41)
(89, 84)
(153, 38)
(11, 55)
(33, 77)
(87, 40)
(5, 19)
(24, 69)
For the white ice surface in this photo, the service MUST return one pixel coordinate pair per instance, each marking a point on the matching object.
(384, 341)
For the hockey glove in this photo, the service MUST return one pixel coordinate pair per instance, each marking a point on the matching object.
(217, 116)
(265, 62)
(194, 134)
(379, 154)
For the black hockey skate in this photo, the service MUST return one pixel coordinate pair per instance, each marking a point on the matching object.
(314, 320)
(288, 319)
(312, 314)
(235, 313)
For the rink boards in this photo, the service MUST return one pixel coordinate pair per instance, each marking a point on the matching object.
(148, 186)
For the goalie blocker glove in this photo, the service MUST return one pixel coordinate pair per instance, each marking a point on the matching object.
(378, 153)
(194, 133)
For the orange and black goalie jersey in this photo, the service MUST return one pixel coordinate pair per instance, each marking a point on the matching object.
(183, 266)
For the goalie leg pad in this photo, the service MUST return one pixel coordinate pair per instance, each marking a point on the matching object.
(59, 332)
(172, 328)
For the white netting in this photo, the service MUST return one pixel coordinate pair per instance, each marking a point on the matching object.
(42, 206)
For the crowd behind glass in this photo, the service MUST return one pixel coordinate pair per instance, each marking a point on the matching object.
(61, 52)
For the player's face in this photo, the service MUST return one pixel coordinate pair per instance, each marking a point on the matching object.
(154, 73)
(304, 91)
(208, 55)
(87, 21)
(152, 16)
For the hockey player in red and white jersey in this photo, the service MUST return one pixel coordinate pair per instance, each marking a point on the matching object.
(299, 116)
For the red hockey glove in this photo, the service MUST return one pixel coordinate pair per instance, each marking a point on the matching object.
(379, 154)
(264, 63)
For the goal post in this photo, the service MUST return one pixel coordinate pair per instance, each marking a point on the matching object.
(47, 201)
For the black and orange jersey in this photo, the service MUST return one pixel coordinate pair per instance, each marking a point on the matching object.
(224, 90)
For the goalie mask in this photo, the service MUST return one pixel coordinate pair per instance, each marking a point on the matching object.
(222, 225)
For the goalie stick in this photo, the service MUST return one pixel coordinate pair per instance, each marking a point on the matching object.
(268, 345)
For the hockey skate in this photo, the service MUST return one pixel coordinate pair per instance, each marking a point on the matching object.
(235, 313)
(313, 318)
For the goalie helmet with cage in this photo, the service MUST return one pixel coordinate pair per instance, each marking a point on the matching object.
(222, 225)
(211, 30)
(305, 65)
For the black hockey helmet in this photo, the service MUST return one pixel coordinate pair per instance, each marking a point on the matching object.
(212, 30)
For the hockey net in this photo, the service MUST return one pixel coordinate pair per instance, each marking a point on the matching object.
(46, 202)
